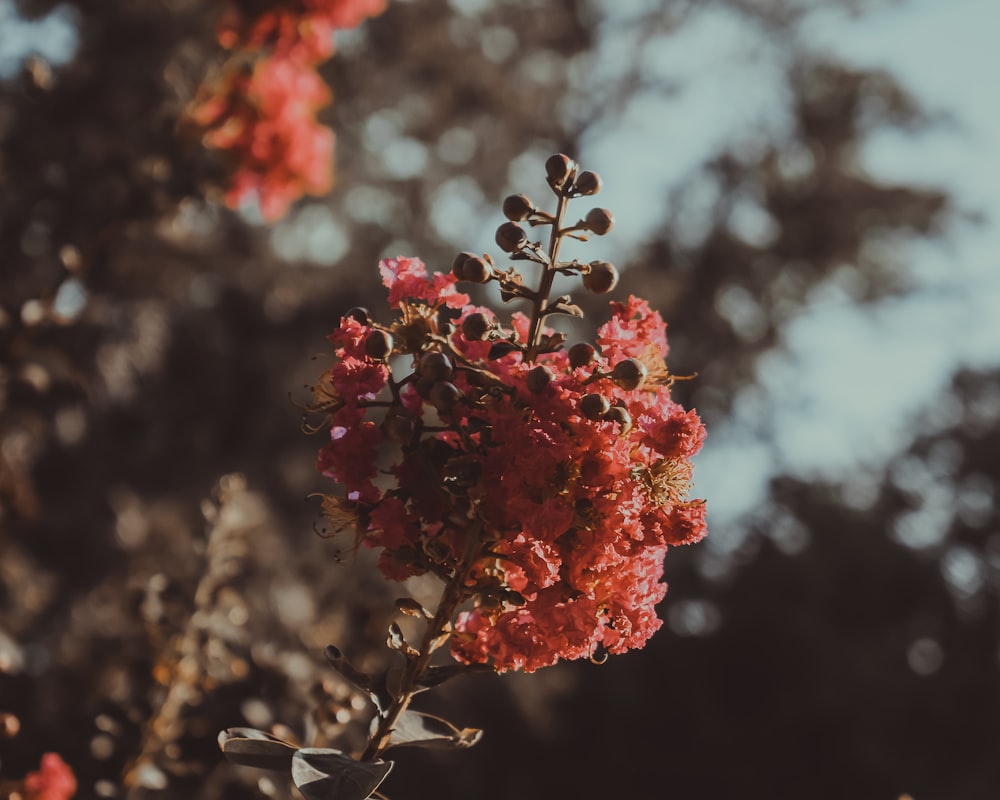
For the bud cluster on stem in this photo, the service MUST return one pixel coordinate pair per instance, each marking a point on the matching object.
(542, 484)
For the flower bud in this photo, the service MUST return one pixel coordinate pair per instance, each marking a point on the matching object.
(588, 183)
(458, 265)
(538, 378)
(559, 169)
(475, 326)
(462, 472)
(444, 395)
(517, 207)
(581, 354)
(358, 314)
(378, 344)
(510, 237)
(398, 427)
(594, 406)
(476, 270)
(619, 415)
(629, 374)
(599, 221)
(601, 278)
(434, 366)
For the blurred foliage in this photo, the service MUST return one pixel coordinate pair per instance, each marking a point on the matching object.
(149, 342)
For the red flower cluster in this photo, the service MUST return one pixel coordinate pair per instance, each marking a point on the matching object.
(264, 115)
(54, 780)
(555, 483)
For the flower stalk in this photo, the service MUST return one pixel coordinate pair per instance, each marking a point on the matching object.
(454, 594)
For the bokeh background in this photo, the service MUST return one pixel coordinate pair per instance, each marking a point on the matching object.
(807, 191)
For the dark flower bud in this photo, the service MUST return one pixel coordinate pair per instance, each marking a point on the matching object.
(444, 395)
(462, 472)
(559, 169)
(475, 270)
(434, 366)
(629, 374)
(359, 314)
(398, 427)
(619, 415)
(538, 378)
(512, 597)
(423, 387)
(602, 277)
(517, 207)
(594, 406)
(599, 221)
(475, 326)
(378, 344)
(581, 354)
(458, 265)
(511, 237)
(588, 183)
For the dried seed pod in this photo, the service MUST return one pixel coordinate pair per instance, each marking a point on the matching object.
(538, 378)
(434, 366)
(360, 314)
(378, 344)
(619, 415)
(629, 374)
(475, 326)
(588, 183)
(559, 169)
(511, 237)
(601, 278)
(599, 221)
(444, 395)
(581, 354)
(594, 406)
(517, 207)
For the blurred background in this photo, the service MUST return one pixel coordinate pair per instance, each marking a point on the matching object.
(806, 191)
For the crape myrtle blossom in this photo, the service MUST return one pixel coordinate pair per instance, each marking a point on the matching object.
(53, 780)
(262, 110)
(546, 483)
(542, 483)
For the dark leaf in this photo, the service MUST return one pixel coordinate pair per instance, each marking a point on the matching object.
(551, 342)
(346, 670)
(368, 684)
(416, 729)
(322, 773)
(500, 349)
(435, 676)
(253, 748)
